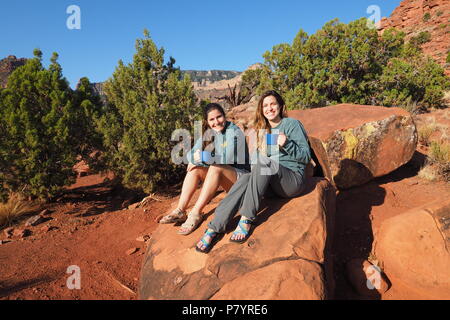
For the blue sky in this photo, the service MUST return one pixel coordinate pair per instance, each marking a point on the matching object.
(199, 34)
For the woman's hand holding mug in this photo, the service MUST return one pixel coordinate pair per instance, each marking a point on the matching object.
(282, 139)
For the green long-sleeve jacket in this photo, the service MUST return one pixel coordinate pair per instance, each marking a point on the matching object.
(230, 147)
(295, 154)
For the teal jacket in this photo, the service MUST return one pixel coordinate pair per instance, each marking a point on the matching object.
(295, 154)
(230, 147)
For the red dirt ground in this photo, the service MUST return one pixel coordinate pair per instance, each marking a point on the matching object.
(90, 230)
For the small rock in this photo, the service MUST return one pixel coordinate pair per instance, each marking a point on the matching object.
(177, 280)
(9, 232)
(4, 241)
(21, 233)
(45, 212)
(132, 251)
(366, 278)
(46, 228)
(134, 206)
(143, 238)
(125, 204)
(145, 210)
(34, 221)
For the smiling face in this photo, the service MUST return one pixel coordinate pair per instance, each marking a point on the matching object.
(216, 120)
(271, 109)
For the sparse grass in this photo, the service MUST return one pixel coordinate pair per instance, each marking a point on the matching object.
(425, 133)
(411, 107)
(13, 209)
(438, 163)
(428, 172)
(440, 151)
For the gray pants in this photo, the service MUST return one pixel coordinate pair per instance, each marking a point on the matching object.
(246, 194)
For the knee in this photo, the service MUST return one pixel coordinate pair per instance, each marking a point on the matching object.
(215, 169)
(196, 172)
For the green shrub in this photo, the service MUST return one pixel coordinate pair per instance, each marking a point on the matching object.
(147, 101)
(351, 63)
(426, 17)
(422, 38)
(42, 130)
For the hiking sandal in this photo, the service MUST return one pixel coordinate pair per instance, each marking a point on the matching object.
(208, 246)
(175, 216)
(241, 230)
(191, 223)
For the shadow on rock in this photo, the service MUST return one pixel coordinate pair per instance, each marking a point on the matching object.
(354, 234)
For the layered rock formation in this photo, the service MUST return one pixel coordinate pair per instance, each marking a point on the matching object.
(286, 257)
(433, 16)
(7, 66)
(414, 250)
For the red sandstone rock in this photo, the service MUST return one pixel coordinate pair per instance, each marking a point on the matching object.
(356, 143)
(288, 252)
(414, 249)
(284, 280)
(7, 66)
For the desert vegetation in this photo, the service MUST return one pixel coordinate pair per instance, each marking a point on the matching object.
(147, 101)
(44, 127)
(351, 63)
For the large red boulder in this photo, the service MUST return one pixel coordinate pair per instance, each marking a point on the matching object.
(356, 143)
(286, 257)
(414, 250)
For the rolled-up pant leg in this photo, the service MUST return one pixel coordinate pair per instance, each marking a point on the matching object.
(230, 205)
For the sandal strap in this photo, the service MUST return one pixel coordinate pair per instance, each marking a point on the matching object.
(242, 230)
(211, 234)
(191, 220)
(174, 215)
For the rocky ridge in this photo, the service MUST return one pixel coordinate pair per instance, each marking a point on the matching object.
(432, 16)
(7, 66)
